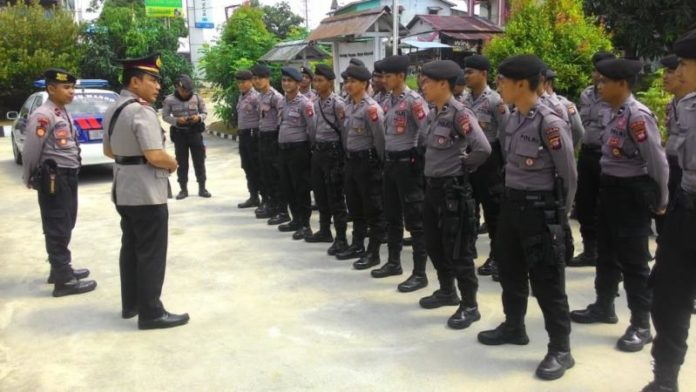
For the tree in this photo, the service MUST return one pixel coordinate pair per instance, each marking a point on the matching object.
(279, 18)
(644, 28)
(559, 33)
(33, 38)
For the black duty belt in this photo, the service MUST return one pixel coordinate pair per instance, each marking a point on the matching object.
(444, 182)
(591, 148)
(268, 134)
(134, 160)
(327, 146)
(529, 196)
(362, 154)
(609, 180)
(68, 171)
(293, 145)
(404, 155)
(247, 131)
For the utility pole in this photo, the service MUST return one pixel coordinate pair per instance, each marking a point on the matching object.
(395, 27)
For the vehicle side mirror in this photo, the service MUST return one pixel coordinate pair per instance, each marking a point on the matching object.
(13, 115)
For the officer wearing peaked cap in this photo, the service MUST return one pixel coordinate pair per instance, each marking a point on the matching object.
(248, 125)
(51, 161)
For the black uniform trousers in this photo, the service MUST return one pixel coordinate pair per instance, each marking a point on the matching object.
(674, 281)
(488, 185)
(587, 195)
(269, 160)
(327, 183)
(363, 186)
(673, 184)
(525, 251)
(143, 257)
(403, 204)
(249, 154)
(450, 234)
(295, 179)
(624, 227)
(184, 141)
(58, 217)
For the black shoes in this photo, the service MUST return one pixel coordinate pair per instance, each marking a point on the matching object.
(584, 259)
(320, 236)
(666, 379)
(388, 269)
(250, 202)
(369, 260)
(554, 365)
(634, 339)
(129, 313)
(504, 334)
(166, 320)
(182, 194)
(79, 273)
(202, 192)
(338, 246)
(263, 211)
(354, 251)
(488, 268)
(74, 286)
(279, 218)
(463, 317)
(413, 283)
(438, 299)
(302, 233)
(595, 313)
(288, 227)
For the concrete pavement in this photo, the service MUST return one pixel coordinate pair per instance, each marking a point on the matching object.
(267, 313)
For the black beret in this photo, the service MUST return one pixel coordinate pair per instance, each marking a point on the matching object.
(356, 72)
(261, 70)
(685, 47)
(59, 75)
(307, 71)
(670, 62)
(477, 62)
(441, 70)
(243, 75)
(395, 64)
(619, 69)
(378, 67)
(460, 79)
(522, 66)
(292, 73)
(550, 74)
(150, 64)
(599, 56)
(185, 82)
(356, 62)
(325, 71)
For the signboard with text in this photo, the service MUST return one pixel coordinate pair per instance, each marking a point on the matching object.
(202, 14)
(163, 8)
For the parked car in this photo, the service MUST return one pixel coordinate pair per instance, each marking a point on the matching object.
(87, 111)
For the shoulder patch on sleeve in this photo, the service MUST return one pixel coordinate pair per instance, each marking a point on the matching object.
(340, 112)
(553, 137)
(418, 110)
(41, 126)
(373, 113)
(571, 109)
(309, 109)
(639, 131)
(464, 123)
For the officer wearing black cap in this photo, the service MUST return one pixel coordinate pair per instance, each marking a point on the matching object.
(306, 83)
(540, 181)
(487, 181)
(405, 116)
(592, 109)
(51, 161)
(455, 146)
(142, 167)
(379, 91)
(460, 92)
(327, 161)
(185, 111)
(248, 125)
(297, 122)
(576, 127)
(364, 144)
(674, 274)
(633, 185)
(270, 101)
(551, 101)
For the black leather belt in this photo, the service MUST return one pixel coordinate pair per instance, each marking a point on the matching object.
(443, 182)
(609, 180)
(292, 145)
(134, 160)
(327, 146)
(529, 196)
(405, 155)
(268, 134)
(362, 154)
(592, 148)
(68, 171)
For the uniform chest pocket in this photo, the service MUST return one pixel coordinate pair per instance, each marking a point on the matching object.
(63, 138)
(442, 138)
(483, 117)
(400, 123)
(294, 117)
(357, 125)
(528, 155)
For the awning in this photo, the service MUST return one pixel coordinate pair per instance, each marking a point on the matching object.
(468, 36)
(423, 44)
(354, 24)
(294, 51)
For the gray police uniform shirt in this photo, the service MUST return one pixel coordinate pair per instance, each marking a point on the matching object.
(333, 109)
(556, 105)
(405, 116)
(173, 107)
(269, 108)
(492, 114)
(631, 146)
(537, 147)
(448, 133)
(576, 127)
(592, 109)
(364, 125)
(462, 97)
(248, 113)
(50, 129)
(310, 94)
(685, 143)
(136, 129)
(296, 120)
(672, 125)
(380, 97)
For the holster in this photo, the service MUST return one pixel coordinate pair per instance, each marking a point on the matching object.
(45, 177)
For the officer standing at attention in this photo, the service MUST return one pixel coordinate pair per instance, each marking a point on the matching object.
(449, 209)
(248, 125)
(364, 142)
(576, 127)
(141, 177)
(633, 186)
(674, 273)
(405, 116)
(186, 112)
(51, 162)
(296, 124)
(460, 92)
(487, 181)
(306, 84)
(270, 101)
(592, 111)
(540, 180)
(379, 91)
(327, 161)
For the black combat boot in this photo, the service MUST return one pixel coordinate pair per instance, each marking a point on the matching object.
(505, 333)
(183, 193)
(355, 251)
(464, 317)
(634, 339)
(279, 218)
(78, 273)
(371, 257)
(290, 226)
(302, 233)
(339, 245)
(587, 258)
(73, 286)
(323, 235)
(252, 201)
(554, 365)
(666, 379)
(391, 267)
(487, 267)
(441, 297)
(595, 313)
(202, 192)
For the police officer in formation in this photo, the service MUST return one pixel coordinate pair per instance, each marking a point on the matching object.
(460, 92)
(135, 140)
(327, 162)
(51, 162)
(487, 181)
(306, 83)
(379, 90)
(576, 127)
(449, 211)
(540, 180)
(248, 115)
(296, 123)
(186, 112)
